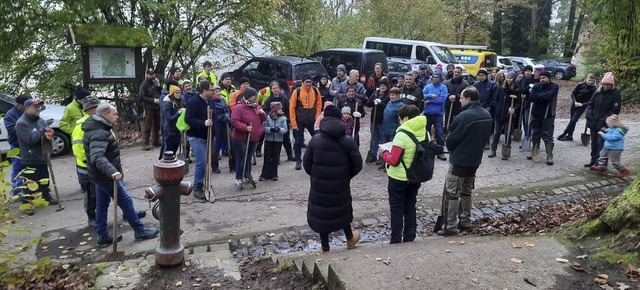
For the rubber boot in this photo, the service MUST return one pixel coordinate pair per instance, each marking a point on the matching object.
(494, 147)
(450, 229)
(465, 213)
(548, 146)
(535, 152)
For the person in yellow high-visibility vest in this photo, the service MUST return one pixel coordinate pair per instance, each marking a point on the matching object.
(207, 66)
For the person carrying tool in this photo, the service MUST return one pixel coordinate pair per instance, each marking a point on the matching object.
(103, 161)
(455, 86)
(469, 132)
(580, 97)
(30, 129)
(544, 97)
(507, 106)
(246, 118)
(199, 125)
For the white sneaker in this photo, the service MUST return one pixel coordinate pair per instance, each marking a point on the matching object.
(239, 182)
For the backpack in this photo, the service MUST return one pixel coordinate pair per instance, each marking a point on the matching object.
(421, 168)
(181, 124)
(306, 116)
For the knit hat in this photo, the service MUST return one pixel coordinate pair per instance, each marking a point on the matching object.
(450, 66)
(90, 102)
(539, 68)
(439, 67)
(21, 99)
(326, 104)
(274, 106)
(613, 121)
(186, 82)
(511, 74)
(423, 66)
(438, 74)
(174, 70)
(243, 80)
(342, 68)
(346, 110)
(608, 79)
(528, 68)
(174, 89)
(306, 77)
(483, 71)
(326, 76)
(384, 81)
(332, 111)
(546, 74)
(249, 92)
(224, 76)
(82, 93)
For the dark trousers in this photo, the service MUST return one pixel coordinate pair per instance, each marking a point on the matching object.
(542, 129)
(502, 128)
(596, 145)
(220, 138)
(324, 237)
(298, 135)
(576, 113)
(271, 157)
(37, 173)
(286, 142)
(89, 192)
(151, 121)
(402, 202)
(438, 122)
(170, 141)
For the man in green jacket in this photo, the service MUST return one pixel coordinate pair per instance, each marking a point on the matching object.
(468, 133)
(73, 112)
(207, 73)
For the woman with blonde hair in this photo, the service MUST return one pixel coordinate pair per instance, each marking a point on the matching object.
(604, 103)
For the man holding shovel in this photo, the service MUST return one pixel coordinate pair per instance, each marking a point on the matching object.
(103, 161)
(544, 97)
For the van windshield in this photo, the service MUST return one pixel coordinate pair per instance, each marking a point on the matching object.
(444, 54)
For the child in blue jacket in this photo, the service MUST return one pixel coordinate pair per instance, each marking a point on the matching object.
(613, 146)
(275, 126)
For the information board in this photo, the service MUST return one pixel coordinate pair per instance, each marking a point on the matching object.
(112, 63)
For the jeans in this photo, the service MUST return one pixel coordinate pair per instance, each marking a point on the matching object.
(89, 191)
(596, 146)
(39, 172)
(377, 137)
(525, 123)
(271, 157)
(170, 141)
(15, 171)
(438, 122)
(576, 113)
(104, 194)
(298, 135)
(402, 202)
(199, 148)
(324, 237)
(240, 146)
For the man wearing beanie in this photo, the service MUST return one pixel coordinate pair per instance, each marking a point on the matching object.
(423, 77)
(89, 105)
(340, 78)
(450, 68)
(73, 111)
(235, 97)
(604, 103)
(488, 95)
(246, 118)
(435, 95)
(149, 96)
(544, 97)
(10, 119)
(304, 108)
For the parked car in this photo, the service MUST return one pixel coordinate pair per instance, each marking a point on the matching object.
(505, 64)
(363, 60)
(400, 66)
(61, 141)
(559, 69)
(288, 70)
(473, 59)
(521, 62)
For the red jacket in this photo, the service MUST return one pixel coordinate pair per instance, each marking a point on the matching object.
(243, 116)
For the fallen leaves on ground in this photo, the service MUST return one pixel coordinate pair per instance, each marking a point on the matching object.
(577, 267)
(582, 257)
(632, 272)
(561, 260)
(529, 244)
(623, 286)
(516, 245)
(515, 260)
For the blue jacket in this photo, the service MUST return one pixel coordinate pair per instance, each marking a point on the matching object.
(544, 98)
(614, 138)
(390, 122)
(280, 123)
(169, 114)
(488, 93)
(10, 119)
(435, 106)
(186, 96)
(220, 110)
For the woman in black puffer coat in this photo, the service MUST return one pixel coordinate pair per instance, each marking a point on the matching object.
(332, 159)
(604, 103)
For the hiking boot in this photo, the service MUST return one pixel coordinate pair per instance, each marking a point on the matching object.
(104, 241)
(198, 192)
(598, 168)
(298, 165)
(351, 243)
(146, 233)
(548, 147)
(561, 137)
(442, 157)
(567, 138)
(447, 232)
(140, 214)
(494, 148)
(624, 173)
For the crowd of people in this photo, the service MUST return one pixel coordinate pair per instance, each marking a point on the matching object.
(245, 123)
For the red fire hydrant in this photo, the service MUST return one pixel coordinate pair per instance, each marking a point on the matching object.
(169, 173)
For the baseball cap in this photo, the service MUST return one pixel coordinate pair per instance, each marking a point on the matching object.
(35, 103)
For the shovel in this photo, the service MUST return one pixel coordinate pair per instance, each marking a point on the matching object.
(115, 254)
(443, 215)
(506, 147)
(526, 141)
(585, 137)
(449, 117)
(47, 148)
(517, 133)
(207, 167)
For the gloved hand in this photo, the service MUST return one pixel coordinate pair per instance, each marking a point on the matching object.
(357, 115)
(274, 129)
(377, 102)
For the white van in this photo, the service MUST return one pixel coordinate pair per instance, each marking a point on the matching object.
(431, 52)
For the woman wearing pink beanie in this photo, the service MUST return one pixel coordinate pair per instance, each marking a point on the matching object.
(604, 103)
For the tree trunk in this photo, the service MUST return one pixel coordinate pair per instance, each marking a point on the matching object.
(533, 40)
(496, 30)
(623, 213)
(576, 33)
(568, 43)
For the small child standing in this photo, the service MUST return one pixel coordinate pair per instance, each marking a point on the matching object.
(274, 128)
(613, 146)
(347, 120)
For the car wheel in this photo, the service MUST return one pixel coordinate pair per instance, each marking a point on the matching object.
(61, 143)
(558, 75)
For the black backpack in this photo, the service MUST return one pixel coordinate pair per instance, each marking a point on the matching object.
(421, 169)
